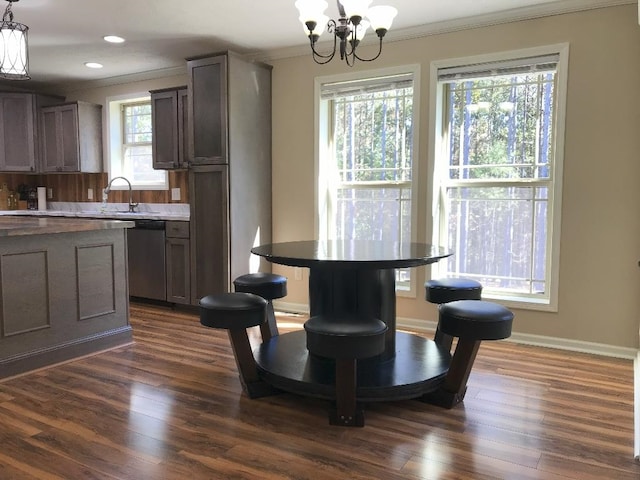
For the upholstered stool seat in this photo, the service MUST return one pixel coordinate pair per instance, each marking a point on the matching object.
(445, 290)
(346, 339)
(235, 312)
(269, 286)
(471, 321)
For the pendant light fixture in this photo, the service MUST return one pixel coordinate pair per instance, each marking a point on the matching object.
(14, 56)
(348, 31)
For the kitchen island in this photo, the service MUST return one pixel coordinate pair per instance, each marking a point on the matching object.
(63, 290)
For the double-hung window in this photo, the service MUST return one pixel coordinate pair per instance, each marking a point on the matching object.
(366, 164)
(130, 137)
(498, 169)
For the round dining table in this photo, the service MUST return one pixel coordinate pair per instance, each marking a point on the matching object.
(354, 279)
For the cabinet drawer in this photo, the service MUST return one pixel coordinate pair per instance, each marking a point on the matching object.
(177, 229)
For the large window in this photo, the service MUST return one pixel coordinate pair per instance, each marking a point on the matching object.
(498, 174)
(130, 137)
(368, 161)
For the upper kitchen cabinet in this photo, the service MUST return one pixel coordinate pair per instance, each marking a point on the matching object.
(19, 130)
(208, 85)
(71, 138)
(170, 120)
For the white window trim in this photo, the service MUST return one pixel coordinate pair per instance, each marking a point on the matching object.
(435, 134)
(320, 139)
(114, 142)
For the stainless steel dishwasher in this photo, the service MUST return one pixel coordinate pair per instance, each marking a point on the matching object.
(147, 260)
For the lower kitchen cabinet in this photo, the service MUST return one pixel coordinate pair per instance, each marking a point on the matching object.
(178, 258)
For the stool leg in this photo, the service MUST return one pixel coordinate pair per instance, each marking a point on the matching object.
(269, 328)
(454, 387)
(346, 412)
(251, 383)
(443, 339)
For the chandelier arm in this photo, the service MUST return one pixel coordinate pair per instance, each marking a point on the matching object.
(369, 59)
(8, 13)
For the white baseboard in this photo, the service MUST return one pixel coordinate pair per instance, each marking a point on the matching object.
(429, 326)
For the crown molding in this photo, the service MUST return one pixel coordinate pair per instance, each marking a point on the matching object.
(121, 79)
(437, 28)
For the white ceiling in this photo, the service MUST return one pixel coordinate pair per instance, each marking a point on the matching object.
(160, 34)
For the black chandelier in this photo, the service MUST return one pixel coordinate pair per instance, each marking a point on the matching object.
(14, 57)
(355, 18)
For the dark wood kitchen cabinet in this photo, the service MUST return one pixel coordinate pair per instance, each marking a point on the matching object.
(19, 148)
(230, 172)
(178, 262)
(72, 138)
(208, 86)
(170, 123)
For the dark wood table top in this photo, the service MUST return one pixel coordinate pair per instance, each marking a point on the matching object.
(351, 254)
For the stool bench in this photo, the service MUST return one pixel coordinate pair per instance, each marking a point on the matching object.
(268, 286)
(235, 312)
(471, 321)
(445, 290)
(346, 339)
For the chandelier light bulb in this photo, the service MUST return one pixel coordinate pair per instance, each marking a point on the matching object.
(355, 8)
(381, 17)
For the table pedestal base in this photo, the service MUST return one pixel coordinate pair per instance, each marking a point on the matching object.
(418, 367)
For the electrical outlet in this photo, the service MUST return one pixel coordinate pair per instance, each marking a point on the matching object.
(89, 193)
(49, 193)
(175, 194)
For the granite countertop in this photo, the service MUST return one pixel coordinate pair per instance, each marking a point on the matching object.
(118, 211)
(14, 225)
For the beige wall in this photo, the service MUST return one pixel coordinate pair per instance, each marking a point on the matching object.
(599, 294)
(599, 291)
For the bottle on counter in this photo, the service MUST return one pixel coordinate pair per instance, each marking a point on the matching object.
(32, 199)
(4, 197)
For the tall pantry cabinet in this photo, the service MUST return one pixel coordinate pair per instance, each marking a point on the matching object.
(230, 169)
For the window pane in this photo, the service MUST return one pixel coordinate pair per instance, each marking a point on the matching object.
(499, 236)
(374, 214)
(501, 127)
(137, 123)
(141, 162)
(373, 136)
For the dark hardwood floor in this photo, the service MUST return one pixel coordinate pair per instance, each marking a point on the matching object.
(170, 406)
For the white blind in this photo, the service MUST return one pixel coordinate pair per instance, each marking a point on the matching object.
(541, 64)
(368, 85)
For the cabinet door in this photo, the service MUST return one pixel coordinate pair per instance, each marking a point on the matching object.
(208, 110)
(60, 139)
(164, 120)
(208, 196)
(178, 271)
(17, 133)
(50, 153)
(68, 136)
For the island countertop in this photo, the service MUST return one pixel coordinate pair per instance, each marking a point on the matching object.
(11, 226)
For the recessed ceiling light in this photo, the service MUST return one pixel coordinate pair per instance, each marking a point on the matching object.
(113, 39)
(93, 65)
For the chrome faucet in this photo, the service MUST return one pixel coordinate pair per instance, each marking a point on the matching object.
(105, 192)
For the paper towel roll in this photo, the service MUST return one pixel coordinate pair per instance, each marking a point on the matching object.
(42, 198)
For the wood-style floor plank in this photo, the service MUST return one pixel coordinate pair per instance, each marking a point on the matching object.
(170, 406)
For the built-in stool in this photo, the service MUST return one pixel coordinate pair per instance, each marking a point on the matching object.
(269, 286)
(346, 339)
(471, 321)
(235, 312)
(445, 290)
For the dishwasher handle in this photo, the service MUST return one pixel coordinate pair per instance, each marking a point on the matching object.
(146, 224)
